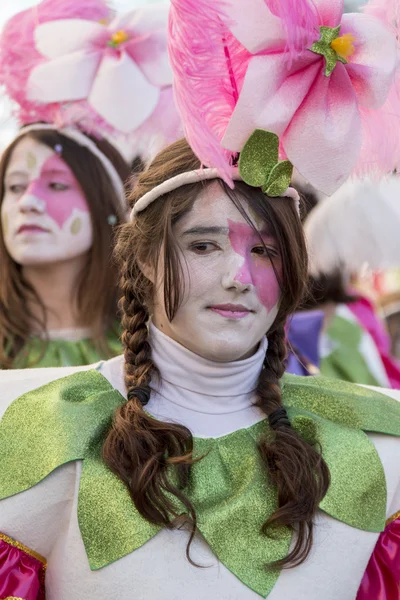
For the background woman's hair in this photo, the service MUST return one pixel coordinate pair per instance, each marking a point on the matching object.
(143, 451)
(325, 288)
(96, 289)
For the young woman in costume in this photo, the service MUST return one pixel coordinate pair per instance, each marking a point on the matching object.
(62, 182)
(192, 467)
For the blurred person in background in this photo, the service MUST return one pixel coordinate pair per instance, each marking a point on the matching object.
(86, 109)
(354, 345)
(58, 288)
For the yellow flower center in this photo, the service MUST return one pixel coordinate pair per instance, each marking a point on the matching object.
(119, 37)
(343, 45)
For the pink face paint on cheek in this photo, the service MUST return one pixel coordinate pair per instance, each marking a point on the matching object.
(59, 204)
(255, 271)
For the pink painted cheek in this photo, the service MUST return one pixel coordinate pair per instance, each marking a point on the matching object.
(258, 273)
(59, 204)
(266, 284)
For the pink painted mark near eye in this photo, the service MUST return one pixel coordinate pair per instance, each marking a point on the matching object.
(255, 270)
(59, 204)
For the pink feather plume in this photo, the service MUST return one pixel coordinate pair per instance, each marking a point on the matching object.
(209, 67)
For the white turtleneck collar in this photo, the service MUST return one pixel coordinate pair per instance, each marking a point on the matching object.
(210, 398)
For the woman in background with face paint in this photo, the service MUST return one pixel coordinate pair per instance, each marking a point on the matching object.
(57, 284)
(62, 181)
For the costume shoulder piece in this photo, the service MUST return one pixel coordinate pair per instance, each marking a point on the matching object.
(67, 420)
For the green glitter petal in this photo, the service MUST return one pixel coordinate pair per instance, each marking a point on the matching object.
(68, 419)
(258, 157)
(279, 179)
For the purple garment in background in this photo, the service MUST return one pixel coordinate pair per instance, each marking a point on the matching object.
(303, 333)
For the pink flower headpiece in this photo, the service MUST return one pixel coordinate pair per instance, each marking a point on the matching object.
(246, 71)
(75, 63)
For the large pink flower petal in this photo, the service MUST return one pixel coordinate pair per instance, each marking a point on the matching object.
(64, 36)
(255, 26)
(373, 64)
(121, 94)
(142, 20)
(270, 96)
(151, 56)
(323, 139)
(329, 12)
(148, 43)
(63, 79)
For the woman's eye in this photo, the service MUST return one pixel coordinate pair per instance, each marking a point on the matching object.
(265, 251)
(204, 247)
(17, 188)
(58, 187)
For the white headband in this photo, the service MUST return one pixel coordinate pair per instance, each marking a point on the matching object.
(194, 177)
(82, 140)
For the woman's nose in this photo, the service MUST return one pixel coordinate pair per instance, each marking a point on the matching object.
(238, 276)
(31, 203)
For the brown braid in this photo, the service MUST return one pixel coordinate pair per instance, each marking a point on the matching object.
(140, 449)
(298, 470)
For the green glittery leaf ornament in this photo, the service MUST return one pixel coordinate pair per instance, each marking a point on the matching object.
(258, 157)
(279, 179)
(68, 419)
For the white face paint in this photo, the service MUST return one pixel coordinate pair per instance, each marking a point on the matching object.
(231, 290)
(44, 215)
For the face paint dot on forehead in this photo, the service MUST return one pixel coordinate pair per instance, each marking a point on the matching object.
(31, 160)
(254, 270)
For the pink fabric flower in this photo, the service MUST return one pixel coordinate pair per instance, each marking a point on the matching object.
(317, 116)
(119, 68)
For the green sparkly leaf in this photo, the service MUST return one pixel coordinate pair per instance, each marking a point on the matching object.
(258, 157)
(329, 34)
(279, 179)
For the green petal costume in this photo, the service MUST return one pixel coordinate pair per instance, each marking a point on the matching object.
(347, 359)
(64, 353)
(67, 420)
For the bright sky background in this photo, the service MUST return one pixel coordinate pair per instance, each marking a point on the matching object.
(10, 7)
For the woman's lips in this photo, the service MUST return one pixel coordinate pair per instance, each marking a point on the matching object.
(32, 229)
(231, 311)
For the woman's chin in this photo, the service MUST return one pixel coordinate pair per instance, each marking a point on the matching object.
(221, 349)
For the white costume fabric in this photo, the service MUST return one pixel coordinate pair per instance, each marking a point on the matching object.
(212, 399)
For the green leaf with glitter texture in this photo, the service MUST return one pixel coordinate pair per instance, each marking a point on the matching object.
(279, 179)
(258, 157)
(68, 419)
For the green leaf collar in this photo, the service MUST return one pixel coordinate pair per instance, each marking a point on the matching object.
(67, 420)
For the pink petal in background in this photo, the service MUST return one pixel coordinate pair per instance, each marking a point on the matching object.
(372, 65)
